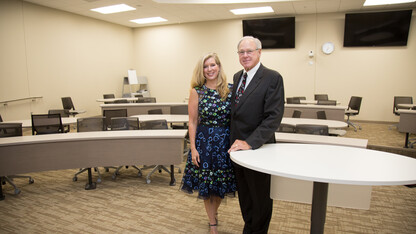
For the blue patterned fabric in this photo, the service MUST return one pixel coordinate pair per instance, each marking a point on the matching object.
(215, 174)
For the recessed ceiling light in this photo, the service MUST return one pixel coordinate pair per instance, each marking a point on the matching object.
(149, 20)
(113, 9)
(254, 10)
(385, 2)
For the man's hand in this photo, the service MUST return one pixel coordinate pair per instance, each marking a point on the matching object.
(239, 145)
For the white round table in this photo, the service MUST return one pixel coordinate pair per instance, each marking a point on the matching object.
(325, 164)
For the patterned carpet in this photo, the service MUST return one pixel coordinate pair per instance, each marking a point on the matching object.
(56, 204)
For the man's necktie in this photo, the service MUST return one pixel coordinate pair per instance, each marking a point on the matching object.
(240, 90)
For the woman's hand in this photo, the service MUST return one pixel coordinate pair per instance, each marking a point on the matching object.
(195, 157)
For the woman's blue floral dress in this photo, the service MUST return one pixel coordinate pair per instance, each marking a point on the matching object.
(215, 174)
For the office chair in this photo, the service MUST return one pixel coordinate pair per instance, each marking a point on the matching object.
(47, 124)
(301, 98)
(120, 124)
(312, 129)
(401, 100)
(108, 114)
(108, 96)
(323, 97)
(327, 102)
(146, 100)
(91, 124)
(155, 112)
(121, 101)
(292, 100)
(296, 114)
(63, 114)
(11, 130)
(286, 128)
(68, 106)
(353, 109)
(181, 110)
(154, 124)
(331, 132)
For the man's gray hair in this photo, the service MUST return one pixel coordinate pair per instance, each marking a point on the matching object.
(255, 40)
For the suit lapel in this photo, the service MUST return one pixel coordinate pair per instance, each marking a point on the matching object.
(251, 86)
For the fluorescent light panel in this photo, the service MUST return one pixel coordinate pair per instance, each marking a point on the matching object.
(385, 2)
(113, 9)
(254, 10)
(149, 20)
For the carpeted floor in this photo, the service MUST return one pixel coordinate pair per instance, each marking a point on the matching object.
(56, 204)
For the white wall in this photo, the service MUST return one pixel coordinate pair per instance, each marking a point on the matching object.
(53, 54)
(50, 53)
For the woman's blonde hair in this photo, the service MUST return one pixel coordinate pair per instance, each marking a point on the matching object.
(198, 78)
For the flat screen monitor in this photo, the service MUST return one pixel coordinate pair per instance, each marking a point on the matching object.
(273, 33)
(389, 28)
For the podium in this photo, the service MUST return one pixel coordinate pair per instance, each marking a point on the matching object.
(136, 86)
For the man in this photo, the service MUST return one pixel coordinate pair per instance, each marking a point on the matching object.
(256, 113)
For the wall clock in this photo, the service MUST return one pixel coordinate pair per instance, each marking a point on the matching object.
(328, 47)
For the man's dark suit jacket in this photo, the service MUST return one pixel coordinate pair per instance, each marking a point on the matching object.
(260, 110)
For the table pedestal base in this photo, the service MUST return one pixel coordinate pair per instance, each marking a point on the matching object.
(90, 185)
(319, 202)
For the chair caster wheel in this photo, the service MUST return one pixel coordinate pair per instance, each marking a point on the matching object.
(31, 181)
(179, 170)
(74, 179)
(113, 177)
(17, 191)
(98, 180)
(139, 174)
(148, 181)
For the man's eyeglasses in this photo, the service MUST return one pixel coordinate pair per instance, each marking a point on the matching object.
(248, 52)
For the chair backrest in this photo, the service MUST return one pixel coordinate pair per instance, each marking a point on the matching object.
(292, 100)
(155, 112)
(154, 124)
(401, 100)
(355, 103)
(301, 97)
(286, 128)
(108, 114)
(90, 124)
(10, 129)
(62, 112)
(327, 102)
(107, 96)
(47, 124)
(312, 129)
(179, 110)
(138, 95)
(1, 119)
(146, 100)
(124, 123)
(67, 103)
(121, 101)
(320, 115)
(296, 114)
(321, 97)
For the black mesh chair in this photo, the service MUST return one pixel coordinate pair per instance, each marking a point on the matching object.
(91, 124)
(47, 124)
(320, 115)
(108, 114)
(155, 112)
(69, 107)
(331, 132)
(108, 96)
(11, 130)
(292, 100)
(63, 114)
(121, 101)
(327, 102)
(154, 124)
(146, 100)
(401, 100)
(287, 128)
(296, 114)
(120, 124)
(353, 109)
(301, 98)
(323, 97)
(312, 129)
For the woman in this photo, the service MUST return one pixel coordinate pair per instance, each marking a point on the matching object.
(208, 169)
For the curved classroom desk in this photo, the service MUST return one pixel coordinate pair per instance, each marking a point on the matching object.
(27, 123)
(129, 99)
(25, 154)
(142, 108)
(329, 123)
(168, 118)
(309, 111)
(324, 164)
